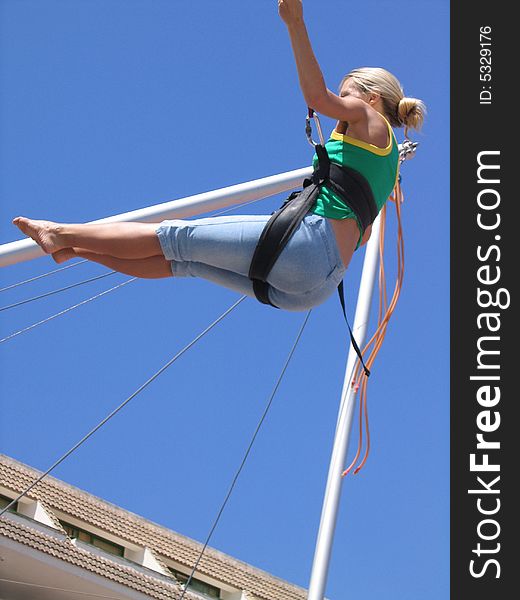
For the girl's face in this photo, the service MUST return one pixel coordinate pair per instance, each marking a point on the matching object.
(349, 88)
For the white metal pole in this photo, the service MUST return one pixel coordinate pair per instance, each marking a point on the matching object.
(26, 249)
(331, 500)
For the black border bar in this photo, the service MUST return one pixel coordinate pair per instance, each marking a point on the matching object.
(485, 243)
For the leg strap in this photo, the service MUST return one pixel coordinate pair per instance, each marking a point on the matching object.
(277, 232)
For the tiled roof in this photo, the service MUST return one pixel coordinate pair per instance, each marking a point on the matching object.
(166, 544)
(66, 550)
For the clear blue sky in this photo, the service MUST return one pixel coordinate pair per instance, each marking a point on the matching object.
(109, 106)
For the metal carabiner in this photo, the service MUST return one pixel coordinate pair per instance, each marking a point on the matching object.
(311, 114)
(407, 150)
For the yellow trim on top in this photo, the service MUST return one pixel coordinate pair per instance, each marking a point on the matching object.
(365, 145)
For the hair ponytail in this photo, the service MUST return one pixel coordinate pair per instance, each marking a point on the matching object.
(411, 113)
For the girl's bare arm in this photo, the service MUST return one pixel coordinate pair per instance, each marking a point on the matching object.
(312, 84)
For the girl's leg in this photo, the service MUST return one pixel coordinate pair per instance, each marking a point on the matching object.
(153, 267)
(228, 279)
(120, 240)
(224, 242)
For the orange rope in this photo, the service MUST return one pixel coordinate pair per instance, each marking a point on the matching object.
(386, 309)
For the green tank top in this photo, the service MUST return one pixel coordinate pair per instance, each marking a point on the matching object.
(378, 165)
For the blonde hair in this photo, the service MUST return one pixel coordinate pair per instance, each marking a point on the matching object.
(400, 110)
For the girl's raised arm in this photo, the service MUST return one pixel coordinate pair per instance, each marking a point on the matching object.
(312, 84)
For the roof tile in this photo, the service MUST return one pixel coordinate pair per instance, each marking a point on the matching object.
(164, 543)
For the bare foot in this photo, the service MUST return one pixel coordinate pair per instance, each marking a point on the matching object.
(45, 233)
(64, 254)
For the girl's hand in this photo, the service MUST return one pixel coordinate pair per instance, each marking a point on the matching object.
(291, 11)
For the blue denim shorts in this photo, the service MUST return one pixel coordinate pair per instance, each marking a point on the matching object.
(220, 250)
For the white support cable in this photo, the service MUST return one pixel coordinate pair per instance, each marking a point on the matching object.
(66, 310)
(122, 405)
(31, 279)
(244, 459)
(234, 207)
(59, 290)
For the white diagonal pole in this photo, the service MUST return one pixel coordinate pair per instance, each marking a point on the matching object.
(331, 500)
(22, 250)
(26, 249)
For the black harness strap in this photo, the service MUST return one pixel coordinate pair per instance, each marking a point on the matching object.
(341, 295)
(354, 190)
(275, 235)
